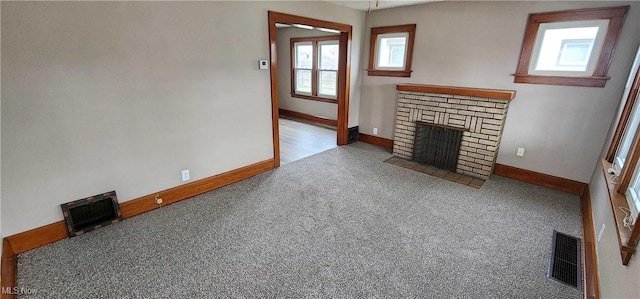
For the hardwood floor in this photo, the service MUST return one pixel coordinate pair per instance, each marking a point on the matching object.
(299, 140)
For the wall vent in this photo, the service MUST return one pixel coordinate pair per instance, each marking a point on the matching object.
(354, 134)
(91, 213)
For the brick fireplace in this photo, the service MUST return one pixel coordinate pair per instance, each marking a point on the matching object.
(479, 113)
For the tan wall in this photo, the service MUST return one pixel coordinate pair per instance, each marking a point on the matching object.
(477, 44)
(285, 100)
(122, 96)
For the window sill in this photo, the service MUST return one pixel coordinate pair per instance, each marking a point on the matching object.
(625, 236)
(314, 98)
(387, 73)
(561, 80)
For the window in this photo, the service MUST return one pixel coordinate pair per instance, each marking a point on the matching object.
(314, 68)
(622, 165)
(570, 47)
(391, 51)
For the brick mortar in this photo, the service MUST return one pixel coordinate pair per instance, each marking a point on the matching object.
(482, 118)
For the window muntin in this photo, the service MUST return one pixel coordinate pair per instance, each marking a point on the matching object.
(314, 72)
(568, 48)
(303, 66)
(328, 68)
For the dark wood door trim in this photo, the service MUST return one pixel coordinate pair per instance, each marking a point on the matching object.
(343, 74)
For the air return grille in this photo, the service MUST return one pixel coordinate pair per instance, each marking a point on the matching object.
(91, 213)
(564, 264)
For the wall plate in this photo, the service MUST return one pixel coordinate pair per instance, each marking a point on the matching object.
(263, 64)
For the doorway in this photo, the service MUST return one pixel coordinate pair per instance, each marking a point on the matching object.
(343, 74)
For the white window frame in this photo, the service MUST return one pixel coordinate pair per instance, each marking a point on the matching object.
(378, 54)
(296, 68)
(598, 43)
(320, 70)
(633, 195)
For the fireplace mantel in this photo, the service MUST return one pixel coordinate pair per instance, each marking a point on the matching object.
(498, 94)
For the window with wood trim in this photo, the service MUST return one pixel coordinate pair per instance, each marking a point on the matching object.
(314, 68)
(572, 47)
(391, 51)
(622, 166)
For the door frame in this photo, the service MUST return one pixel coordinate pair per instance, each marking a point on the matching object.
(344, 74)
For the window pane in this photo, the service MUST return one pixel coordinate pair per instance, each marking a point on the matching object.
(575, 52)
(391, 50)
(327, 83)
(627, 137)
(633, 194)
(304, 56)
(568, 48)
(328, 55)
(303, 81)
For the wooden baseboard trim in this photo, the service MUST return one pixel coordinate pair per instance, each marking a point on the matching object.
(169, 196)
(591, 288)
(375, 140)
(541, 179)
(8, 269)
(57, 231)
(309, 117)
(37, 237)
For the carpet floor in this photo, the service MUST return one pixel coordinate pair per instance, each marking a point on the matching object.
(341, 223)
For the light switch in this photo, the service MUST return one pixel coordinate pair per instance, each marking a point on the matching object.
(264, 65)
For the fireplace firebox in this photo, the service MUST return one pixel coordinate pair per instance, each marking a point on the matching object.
(437, 146)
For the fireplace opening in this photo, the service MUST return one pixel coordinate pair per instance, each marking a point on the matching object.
(436, 145)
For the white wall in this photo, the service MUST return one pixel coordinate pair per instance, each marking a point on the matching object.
(121, 96)
(285, 100)
(477, 44)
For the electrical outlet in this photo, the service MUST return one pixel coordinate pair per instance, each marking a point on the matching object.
(185, 175)
(520, 152)
(600, 233)
(375, 131)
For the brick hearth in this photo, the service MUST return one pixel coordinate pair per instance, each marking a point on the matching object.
(481, 117)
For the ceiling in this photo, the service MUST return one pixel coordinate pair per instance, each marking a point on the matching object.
(382, 4)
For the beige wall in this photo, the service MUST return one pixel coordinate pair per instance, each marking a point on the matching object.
(122, 96)
(285, 100)
(616, 280)
(1, 234)
(477, 44)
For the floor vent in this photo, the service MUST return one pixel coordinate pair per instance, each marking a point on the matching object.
(564, 263)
